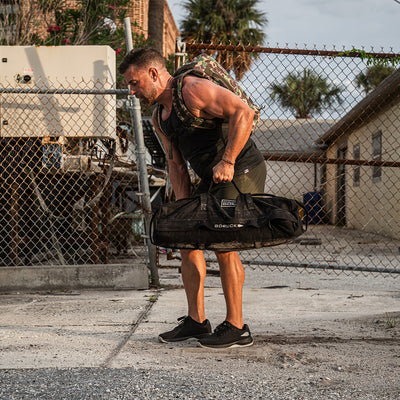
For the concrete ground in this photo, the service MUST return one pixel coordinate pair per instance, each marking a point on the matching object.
(317, 336)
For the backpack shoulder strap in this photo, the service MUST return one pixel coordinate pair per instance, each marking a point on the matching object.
(181, 110)
(157, 120)
(157, 117)
(205, 66)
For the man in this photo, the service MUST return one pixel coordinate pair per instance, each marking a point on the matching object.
(216, 155)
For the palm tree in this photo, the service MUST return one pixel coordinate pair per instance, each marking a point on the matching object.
(373, 77)
(156, 24)
(305, 93)
(235, 22)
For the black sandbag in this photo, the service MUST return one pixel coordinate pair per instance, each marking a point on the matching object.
(206, 223)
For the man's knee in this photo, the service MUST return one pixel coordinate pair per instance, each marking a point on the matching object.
(224, 253)
(193, 260)
(227, 257)
(188, 253)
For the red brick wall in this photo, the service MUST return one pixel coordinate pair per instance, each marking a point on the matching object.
(171, 31)
(138, 12)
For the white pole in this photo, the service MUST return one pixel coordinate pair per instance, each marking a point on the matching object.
(135, 110)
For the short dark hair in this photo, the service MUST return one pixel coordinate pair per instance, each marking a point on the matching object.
(144, 57)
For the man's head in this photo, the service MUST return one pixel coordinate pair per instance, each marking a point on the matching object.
(143, 70)
(141, 58)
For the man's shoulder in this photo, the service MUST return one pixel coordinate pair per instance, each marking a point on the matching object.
(191, 79)
(191, 83)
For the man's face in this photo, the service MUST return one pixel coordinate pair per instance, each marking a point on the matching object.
(141, 85)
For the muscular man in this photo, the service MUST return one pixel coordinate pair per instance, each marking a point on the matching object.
(215, 154)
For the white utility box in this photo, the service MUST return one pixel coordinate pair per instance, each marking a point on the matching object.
(57, 115)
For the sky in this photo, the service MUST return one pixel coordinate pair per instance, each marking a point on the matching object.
(340, 23)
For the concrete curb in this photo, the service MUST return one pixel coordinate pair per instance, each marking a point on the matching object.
(67, 277)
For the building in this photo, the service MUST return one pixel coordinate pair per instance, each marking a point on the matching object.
(280, 139)
(139, 12)
(24, 17)
(357, 192)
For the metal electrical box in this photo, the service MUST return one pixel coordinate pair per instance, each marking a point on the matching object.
(57, 115)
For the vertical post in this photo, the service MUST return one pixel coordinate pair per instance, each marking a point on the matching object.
(134, 106)
(180, 52)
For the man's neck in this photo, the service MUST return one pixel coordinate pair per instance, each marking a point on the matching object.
(165, 97)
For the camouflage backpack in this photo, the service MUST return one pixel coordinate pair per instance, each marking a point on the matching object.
(204, 66)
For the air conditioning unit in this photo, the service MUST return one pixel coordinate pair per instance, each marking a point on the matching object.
(72, 126)
(53, 115)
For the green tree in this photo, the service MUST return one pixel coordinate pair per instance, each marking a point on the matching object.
(235, 22)
(93, 22)
(305, 93)
(373, 76)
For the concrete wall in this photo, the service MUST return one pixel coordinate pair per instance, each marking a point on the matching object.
(73, 277)
(289, 179)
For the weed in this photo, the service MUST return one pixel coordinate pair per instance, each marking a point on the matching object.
(153, 299)
(391, 321)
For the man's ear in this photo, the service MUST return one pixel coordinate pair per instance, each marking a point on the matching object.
(153, 73)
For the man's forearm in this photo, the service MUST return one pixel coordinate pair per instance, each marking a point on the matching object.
(239, 130)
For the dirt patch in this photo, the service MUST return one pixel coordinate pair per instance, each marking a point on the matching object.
(292, 340)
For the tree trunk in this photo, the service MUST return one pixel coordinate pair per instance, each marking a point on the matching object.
(156, 24)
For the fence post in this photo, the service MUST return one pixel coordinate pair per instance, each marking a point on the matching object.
(180, 52)
(135, 111)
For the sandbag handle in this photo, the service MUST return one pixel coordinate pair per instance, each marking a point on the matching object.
(232, 181)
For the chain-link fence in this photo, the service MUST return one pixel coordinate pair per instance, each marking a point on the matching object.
(330, 135)
(70, 192)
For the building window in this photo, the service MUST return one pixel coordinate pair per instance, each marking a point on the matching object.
(376, 155)
(356, 168)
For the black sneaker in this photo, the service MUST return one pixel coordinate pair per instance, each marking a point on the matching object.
(187, 328)
(227, 336)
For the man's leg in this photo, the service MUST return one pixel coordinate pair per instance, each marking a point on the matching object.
(232, 279)
(193, 275)
(195, 325)
(232, 332)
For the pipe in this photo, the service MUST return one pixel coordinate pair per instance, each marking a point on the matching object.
(278, 50)
(135, 111)
(63, 91)
(353, 268)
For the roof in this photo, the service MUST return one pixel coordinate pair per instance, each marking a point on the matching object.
(289, 136)
(373, 104)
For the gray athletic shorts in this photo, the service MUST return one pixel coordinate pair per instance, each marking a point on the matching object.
(250, 182)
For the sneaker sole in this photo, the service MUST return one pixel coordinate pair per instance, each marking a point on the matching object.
(181, 339)
(226, 346)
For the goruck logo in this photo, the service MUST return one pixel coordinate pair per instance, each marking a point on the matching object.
(228, 203)
(228, 226)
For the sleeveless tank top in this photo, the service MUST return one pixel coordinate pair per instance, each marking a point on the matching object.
(203, 148)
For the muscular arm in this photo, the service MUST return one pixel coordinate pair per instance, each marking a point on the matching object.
(208, 100)
(177, 167)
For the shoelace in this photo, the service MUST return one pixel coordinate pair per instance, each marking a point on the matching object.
(221, 328)
(181, 320)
